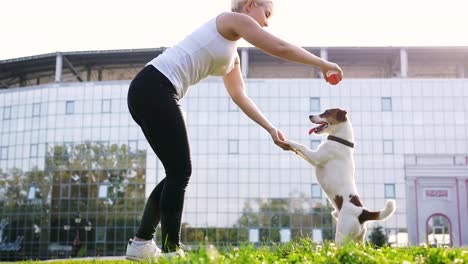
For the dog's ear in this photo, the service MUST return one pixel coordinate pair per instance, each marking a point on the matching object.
(341, 116)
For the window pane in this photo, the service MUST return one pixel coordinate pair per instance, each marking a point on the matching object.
(70, 107)
(102, 191)
(132, 146)
(388, 146)
(3, 153)
(7, 113)
(316, 191)
(317, 235)
(253, 235)
(106, 106)
(100, 234)
(314, 104)
(285, 235)
(32, 193)
(3, 192)
(33, 150)
(386, 104)
(65, 191)
(389, 190)
(233, 146)
(36, 109)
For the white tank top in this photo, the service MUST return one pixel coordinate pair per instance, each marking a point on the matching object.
(202, 53)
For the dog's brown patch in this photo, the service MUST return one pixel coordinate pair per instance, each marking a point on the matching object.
(341, 115)
(367, 215)
(335, 115)
(354, 199)
(338, 201)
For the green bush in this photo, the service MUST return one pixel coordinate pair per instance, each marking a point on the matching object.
(378, 237)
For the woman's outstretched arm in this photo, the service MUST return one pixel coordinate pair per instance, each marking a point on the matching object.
(235, 86)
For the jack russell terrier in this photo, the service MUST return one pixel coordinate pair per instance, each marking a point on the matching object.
(334, 166)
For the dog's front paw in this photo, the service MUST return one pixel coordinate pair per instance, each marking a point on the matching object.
(294, 145)
(291, 143)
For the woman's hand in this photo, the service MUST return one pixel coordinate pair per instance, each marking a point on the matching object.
(330, 66)
(279, 139)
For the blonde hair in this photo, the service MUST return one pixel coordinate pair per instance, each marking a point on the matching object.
(238, 5)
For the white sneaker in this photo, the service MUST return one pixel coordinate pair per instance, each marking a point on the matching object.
(142, 251)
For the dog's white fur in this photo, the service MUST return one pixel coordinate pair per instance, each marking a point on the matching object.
(334, 166)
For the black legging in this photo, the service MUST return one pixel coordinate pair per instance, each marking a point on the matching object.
(153, 104)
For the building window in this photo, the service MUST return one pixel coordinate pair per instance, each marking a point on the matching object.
(32, 192)
(317, 235)
(315, 143)
(314, 104)
(104, 147)
(232, 107)
(386, 104)
(101, 234)
(70, 107)
(388, 146)
(68, 149)
(106, 106)
(65, 191)
(103, 143)
(389, 190)
(254, 235)
(102, 191)
(3, 153)
(132, 146)
(33, 150)
(316, 191)
(285, 235)
(7, 113)
(233, 146)
(36, 109)
(2, 193)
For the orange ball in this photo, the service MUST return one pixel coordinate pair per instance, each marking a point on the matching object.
(332, 77)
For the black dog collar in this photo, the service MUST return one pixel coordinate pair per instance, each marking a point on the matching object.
(340, 140)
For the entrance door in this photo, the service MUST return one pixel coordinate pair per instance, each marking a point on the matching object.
(439, 231)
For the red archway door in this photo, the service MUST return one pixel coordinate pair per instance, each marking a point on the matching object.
(439, 230)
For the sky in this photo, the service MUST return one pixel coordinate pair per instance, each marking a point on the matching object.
(34, 27)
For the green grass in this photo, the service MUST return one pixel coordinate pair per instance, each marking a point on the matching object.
(305, 251)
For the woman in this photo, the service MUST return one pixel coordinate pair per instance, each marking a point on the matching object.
(153, 103)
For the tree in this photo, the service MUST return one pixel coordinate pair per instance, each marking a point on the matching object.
(79, 170)
(38, 202)
(378, 237)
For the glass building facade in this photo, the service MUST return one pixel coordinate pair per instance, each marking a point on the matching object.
(75, 170)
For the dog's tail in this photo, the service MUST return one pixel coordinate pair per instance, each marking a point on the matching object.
(386, 212)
